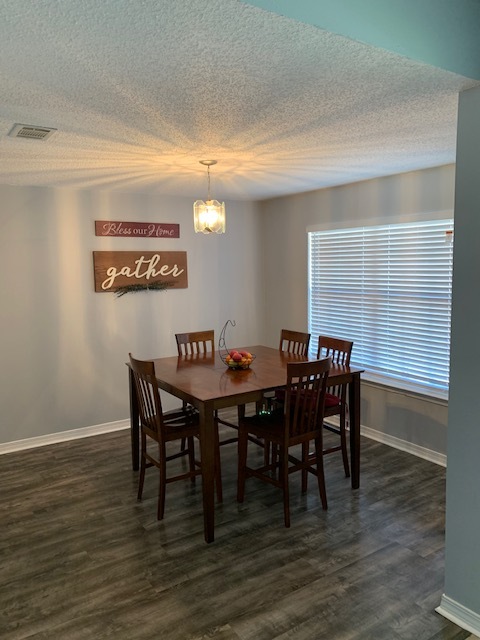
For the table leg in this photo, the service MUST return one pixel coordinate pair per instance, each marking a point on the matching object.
(354, 408)
(134, 421)
(207, 453)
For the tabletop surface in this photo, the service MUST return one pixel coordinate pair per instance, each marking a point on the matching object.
(207, 377)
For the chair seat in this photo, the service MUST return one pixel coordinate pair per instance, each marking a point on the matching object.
(180, 414)
(332, 401)
(268, 426)
(182, 427)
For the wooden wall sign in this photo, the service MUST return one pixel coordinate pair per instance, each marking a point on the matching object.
(136, 229)
(113, 269)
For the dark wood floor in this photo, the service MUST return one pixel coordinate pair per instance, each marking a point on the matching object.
(81, 559)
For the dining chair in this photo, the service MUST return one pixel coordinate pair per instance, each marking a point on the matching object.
(197, 343)
(294, 342)
(162, 428)
(339, 351)
(298, 421)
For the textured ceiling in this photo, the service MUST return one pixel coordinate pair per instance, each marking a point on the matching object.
(140, 91)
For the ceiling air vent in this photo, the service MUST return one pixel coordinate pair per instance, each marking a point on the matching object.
(30, 131)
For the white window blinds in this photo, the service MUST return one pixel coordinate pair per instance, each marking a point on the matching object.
(387, 288)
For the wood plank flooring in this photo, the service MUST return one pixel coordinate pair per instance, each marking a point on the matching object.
(81, 559)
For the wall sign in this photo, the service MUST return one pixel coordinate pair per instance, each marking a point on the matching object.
(114, 269)
(136, 229)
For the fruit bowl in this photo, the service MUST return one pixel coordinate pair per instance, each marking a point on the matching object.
(238, 359)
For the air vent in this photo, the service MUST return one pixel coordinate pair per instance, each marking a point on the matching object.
(30, 131)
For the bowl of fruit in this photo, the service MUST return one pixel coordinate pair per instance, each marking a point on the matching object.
(238, 359)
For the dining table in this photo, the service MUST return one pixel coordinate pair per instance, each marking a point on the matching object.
(207, 383)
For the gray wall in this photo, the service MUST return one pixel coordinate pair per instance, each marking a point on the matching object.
(68, 344)
(386, 414)
(64, 346)
(462, 571)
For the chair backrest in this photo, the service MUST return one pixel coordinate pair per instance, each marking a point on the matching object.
(148, 395)
(294, 342)
(305, 396)
(336, 348)
(340, 351)
(195, 342)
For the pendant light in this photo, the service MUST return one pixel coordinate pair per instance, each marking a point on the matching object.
(209, 216)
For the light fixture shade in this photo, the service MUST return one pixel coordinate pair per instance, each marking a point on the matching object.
(209, 216)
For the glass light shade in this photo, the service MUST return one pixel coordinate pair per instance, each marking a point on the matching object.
(209, 216)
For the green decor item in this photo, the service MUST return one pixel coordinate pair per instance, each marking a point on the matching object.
(157, 285)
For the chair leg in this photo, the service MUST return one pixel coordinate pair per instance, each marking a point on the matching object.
(284, 480)
(320, 472)
(242, 463)
(183, 443)
(304, 470)
(141, 478)
(191, 457)
(274, 459)
(259, 407)
(343, 441)
(266, 452)
(218, 466)
(162, 467)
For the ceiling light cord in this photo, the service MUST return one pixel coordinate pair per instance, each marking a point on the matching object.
(208, 182)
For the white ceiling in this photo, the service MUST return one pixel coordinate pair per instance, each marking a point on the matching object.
(141, 90)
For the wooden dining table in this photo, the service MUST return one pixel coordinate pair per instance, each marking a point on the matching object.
(204, 381)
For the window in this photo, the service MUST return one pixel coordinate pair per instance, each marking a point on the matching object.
(387, 288)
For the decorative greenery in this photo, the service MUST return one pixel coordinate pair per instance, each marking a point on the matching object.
(157, 285)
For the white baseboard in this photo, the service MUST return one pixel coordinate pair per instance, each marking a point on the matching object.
(403, 445)
(63, 436)
(85, 432)
(397, 443)
(460, 615)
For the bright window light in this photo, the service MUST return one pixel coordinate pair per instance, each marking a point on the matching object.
(388, 288)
